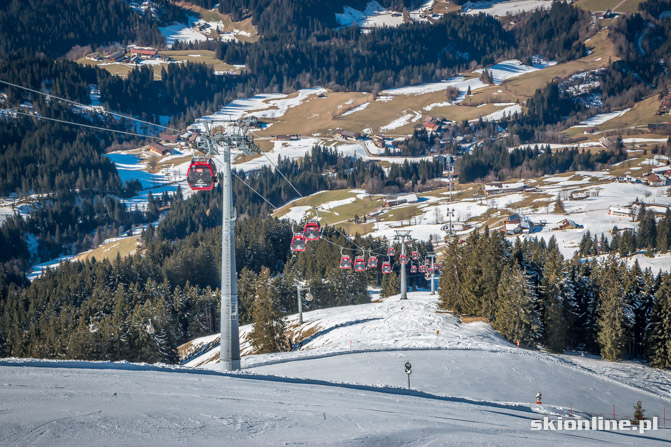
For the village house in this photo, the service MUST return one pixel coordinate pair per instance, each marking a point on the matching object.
(399, 200)
(168, 138)
(607, 142)
(660, 128)
(567, 224)
(653, 179)
(617, 211)
(501, 188)
(347, 135)
(378, 140)
(516, 224)
(144, 53)
(159, 149)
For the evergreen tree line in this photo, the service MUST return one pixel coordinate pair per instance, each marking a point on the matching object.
(140, 308)
(55, 26)
(296, 16)
(653, 235)
(494, 161)
(532, 294)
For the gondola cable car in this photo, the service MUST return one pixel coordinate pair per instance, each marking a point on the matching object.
(360, 263)
(298, 242)
(345, 261)
(386, 266)
(391, 251)
(415, 255)
(403, 259)
(372, 261)
(202, 174)
(413, 269)
(312, 230)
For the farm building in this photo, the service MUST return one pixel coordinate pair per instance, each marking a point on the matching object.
(619, 212)
(653, 179)
(159, 149)
(144, 53)
(347, 135)
(567, 224)
(399, 200)
(502, 188)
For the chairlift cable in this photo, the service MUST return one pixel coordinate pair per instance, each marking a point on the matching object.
(84, 125)
(120, 115)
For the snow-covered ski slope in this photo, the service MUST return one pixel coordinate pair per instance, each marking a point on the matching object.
(468, 387)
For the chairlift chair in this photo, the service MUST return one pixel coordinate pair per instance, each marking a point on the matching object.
(202, 174)
(311, 230)
(298, 242)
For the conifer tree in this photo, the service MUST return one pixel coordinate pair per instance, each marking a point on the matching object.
(268, 330)
(556, 294)
(659, 332)
(612, 336)
(391, 285)
(516, 316)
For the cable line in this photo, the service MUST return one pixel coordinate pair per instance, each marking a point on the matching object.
(121, 115)
(39, 117)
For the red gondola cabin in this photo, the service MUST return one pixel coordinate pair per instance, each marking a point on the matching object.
(298, 242)
(311, 231)
(391, 251)
(415, 256)
(359, 264)
(386, 267)
(403, 259)
(413, 269)
(345, 262)
(372, 262)
(202, 175)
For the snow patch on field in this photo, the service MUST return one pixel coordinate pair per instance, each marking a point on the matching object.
(458, 82)
(182, 32)
(402, 121)
(500, 114)
(601, 118)
(502, 9)
(512, 69)
(336, 203)
(357, 109)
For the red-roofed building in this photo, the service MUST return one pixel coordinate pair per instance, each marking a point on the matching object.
(145, 53)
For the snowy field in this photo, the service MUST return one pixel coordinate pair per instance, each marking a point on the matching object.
(468, 388)
(601, 118)
(505, 8)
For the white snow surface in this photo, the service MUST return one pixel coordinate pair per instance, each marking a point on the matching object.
(182, 32)
(499, 114)
(458, 82)
(511, 69)
(602, 118)
(468, 387)
(505, 8)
